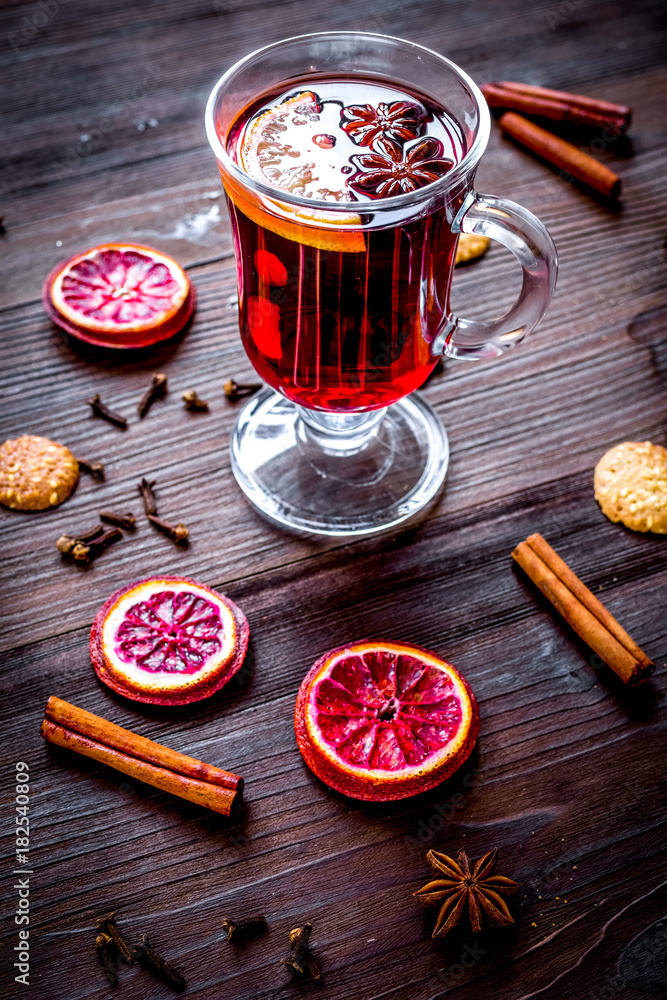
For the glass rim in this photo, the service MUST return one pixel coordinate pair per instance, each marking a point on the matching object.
(469, 161)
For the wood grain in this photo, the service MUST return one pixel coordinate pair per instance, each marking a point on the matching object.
(568, 778)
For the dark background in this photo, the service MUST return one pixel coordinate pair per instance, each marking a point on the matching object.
(103, 139)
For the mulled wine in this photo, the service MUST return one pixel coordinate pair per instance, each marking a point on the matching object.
(336, 314)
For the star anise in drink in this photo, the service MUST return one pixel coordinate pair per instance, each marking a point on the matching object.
(383, 175)
(383, 127)
(461, 887)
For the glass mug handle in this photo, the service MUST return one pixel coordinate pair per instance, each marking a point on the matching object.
(522, 233)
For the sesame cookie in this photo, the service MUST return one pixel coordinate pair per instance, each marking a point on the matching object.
(36, 473)
(631, 485)
(470, 247)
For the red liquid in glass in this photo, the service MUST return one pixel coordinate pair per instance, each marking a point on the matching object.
(341, 317)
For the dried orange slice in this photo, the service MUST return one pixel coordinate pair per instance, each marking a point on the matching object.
(119, 295)
(168, 641)
(283, 148)
(296, 223)
(383, 720)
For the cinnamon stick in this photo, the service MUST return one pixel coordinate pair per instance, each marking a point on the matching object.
(562, 154)
(69, 726)
(591, 103)
(582, 610)
(559, 105)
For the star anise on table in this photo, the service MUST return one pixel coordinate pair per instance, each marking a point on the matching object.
(461, 885)
(383, 127)
(382, 176)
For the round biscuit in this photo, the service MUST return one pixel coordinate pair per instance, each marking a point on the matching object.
(630, 483)
(36, 473)
(470, 247)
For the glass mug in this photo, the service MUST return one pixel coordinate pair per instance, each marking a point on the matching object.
(344, 305)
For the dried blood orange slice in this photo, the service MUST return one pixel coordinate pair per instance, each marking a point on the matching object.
(382, 720)
(119, 295)
(168, 641)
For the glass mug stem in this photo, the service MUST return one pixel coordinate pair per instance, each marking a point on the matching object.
(340, 433)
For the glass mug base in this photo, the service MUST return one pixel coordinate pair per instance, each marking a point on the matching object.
(318, 473)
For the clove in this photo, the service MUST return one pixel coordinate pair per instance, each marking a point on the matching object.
(107, 954)
(178, 532)
(94, 469)
(100, 410)
(149, 959)
(193, 402)
(85, 551)
(148, 496)
(66, 543)
(156, 390)
(301, 959)
(237, 390)
(107, 927)
(245, 927)
(126, 521)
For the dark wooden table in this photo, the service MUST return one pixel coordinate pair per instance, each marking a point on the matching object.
(103, 134)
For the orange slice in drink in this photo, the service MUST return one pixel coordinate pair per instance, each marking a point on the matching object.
(119, 295)
(284, 147)
(383, 720)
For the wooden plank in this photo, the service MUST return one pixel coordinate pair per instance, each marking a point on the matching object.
(113, 90)
(568, 775)
(562, 714)
(189, 222)
(492, 410)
